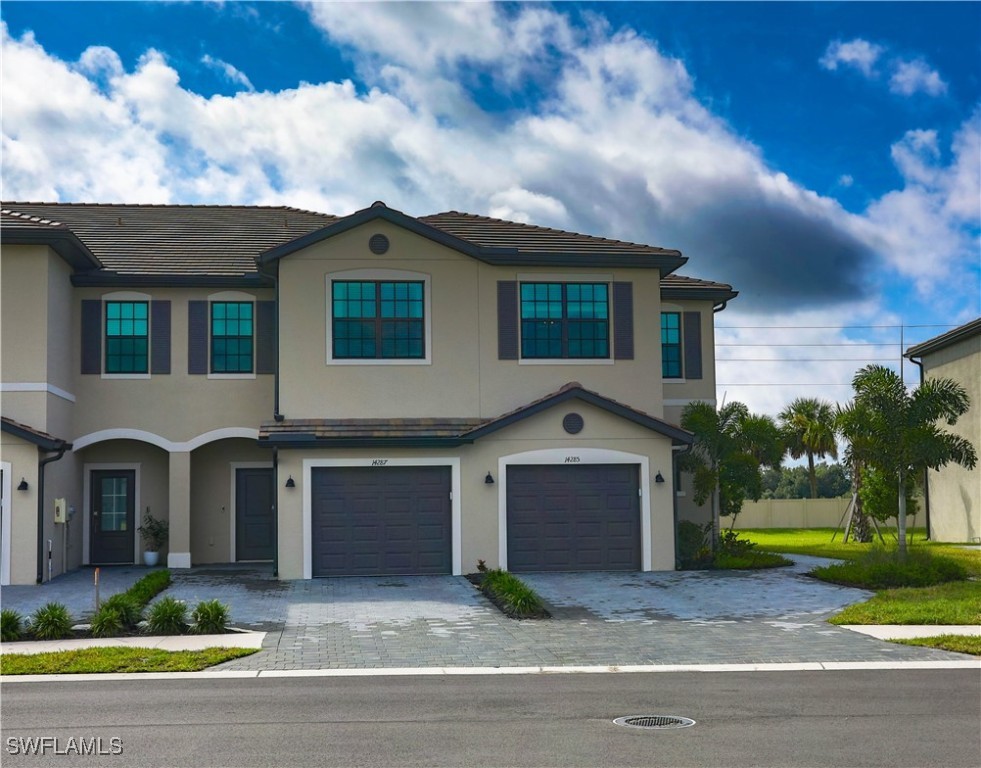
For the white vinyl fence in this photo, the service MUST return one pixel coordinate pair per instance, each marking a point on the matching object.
(795, 513)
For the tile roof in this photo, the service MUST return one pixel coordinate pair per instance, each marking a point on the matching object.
(177, 239)
(224, 241)
(449, 431)
(41, 439)
(498, 233)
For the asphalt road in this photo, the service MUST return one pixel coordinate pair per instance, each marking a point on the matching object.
(867, 718)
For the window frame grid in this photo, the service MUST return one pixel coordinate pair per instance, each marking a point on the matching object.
(676, 359)
(112, 360)
(379, 320)
(226, 337)
(558, 293)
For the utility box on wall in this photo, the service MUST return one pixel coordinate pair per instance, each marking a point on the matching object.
(61, 510)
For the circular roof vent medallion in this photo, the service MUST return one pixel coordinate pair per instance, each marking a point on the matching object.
(655, 722)
(572, 423)
(378, 244)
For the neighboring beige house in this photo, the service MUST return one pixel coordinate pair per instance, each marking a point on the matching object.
(954, 493)
(369, 394)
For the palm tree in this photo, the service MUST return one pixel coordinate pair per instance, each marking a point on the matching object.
(852, 422)
(731, 445)
(808, 427)
(903, 426)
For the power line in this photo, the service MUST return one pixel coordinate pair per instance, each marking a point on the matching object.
(805, 360)
(827, 327)
(828, 344)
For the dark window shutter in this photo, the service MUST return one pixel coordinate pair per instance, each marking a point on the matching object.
(160, 337)
(623, 321)
(197, 337)
(693, 345)
(265, 337)
(91, 336)
(507, 320)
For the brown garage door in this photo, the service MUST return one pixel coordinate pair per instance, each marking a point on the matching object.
(573, 518)
(381, 521)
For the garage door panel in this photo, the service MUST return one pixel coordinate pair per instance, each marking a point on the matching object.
(583, 517)
(381, 521)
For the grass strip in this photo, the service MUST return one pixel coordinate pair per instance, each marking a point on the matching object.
(817, 543)
(957, 643)
(749, 561)
(957, 602)
(116, 659)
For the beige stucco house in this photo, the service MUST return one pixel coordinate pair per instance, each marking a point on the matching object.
(368, 394)
(954, 492)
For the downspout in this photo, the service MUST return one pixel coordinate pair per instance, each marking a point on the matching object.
(275, 511)
(40, 508)
(674, 501)
(719, 307)
(276, 414)
(926, 470)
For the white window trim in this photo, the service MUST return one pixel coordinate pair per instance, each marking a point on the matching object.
(552, 456)
(5, 506)
(87, 508)
(455, 504)
(383, 274)
(234, 466)
(554, 278)
(245, 298)
(126, 296)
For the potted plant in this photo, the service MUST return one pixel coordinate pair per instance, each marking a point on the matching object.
(154, 532)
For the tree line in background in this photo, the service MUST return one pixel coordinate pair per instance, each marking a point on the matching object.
(892, 435)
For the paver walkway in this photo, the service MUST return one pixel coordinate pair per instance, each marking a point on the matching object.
(607, 619)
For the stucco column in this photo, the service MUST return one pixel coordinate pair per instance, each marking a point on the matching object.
(180, 510)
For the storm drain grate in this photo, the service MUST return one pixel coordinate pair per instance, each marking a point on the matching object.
(655, 722)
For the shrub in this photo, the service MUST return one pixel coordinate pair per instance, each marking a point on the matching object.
(147, 588)
(210, 618)
(51, 622)
(130, 612)
(751, 561)
(108, 622)
(884, 569)
(167, 617)
(11, 625)
(731, 544)
(513, 596)
(693, 549)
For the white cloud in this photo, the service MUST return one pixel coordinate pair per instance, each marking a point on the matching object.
(228, 71)
(617, 145)
(858, 53)
(845, 180)
(910, 77)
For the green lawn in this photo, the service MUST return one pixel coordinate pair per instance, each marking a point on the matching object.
(817, 542)
(956, 602)
(116, 659)
(956, 643)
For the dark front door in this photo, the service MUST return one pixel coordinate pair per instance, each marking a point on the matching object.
(113, 505)
(254, 514)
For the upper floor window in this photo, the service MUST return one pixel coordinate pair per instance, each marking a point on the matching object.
(671, 345)
(378, 319)
(232, 331)
(127, 337)
(565, 320)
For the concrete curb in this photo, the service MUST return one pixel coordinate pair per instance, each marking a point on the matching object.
(825, 666)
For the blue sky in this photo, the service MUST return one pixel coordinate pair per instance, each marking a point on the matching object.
(821, 157)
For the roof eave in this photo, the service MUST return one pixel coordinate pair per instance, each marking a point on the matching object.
(111, 279)
(945, 340)
(308, 440)
(718, 296)
(44, 443)
(64, 242)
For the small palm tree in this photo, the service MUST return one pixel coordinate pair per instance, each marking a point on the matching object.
(903, 426)
(808, 428)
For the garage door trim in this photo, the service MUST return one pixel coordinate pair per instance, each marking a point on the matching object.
(382, 461)
(576, 456)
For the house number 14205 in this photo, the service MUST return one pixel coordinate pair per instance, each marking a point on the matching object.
(572, 459)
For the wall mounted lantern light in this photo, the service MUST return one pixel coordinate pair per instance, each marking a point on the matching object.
(23, 485)
(489, 480)
(291, 483)
(658, 478)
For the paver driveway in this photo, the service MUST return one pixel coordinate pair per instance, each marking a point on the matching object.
(607, 619)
